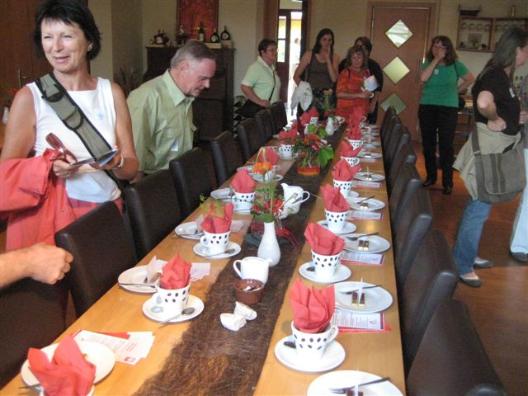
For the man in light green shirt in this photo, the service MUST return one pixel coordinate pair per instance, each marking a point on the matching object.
(161, 109)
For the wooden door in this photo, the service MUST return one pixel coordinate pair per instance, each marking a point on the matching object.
(400, 53)
(283, 57)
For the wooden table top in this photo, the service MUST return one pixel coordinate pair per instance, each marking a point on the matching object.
(119, 310)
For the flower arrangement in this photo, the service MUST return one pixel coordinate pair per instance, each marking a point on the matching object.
(312, 149)
(328, 105)
(268, 203)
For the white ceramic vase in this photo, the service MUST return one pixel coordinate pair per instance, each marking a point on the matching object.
(269, 246)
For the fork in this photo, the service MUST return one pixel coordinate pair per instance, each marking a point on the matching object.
(354, 238)
(351, 388)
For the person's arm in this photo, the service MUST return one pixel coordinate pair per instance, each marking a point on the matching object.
(41, 262)
(333, 67)
(428, 71)
(486, 106)
(250, 94)
(467, 79)
(305, 60)
(342, 88)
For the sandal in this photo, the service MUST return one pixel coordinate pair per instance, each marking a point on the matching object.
(471, 279)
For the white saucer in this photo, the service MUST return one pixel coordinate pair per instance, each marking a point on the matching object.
(372, 204)
(369, 154)
(344, 378)
(342, 273)
(188, 231)
(351, 194)
(258, 177)
(223, 194)
(377, 299)
(243, 211)
(155, 312)
(347, 229)
(333, 357)
(136, 275)
(364, 176)
(98, 354)
(377, 244)
(372, 145)
(201, 250)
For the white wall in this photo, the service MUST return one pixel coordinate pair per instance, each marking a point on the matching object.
(103, 66)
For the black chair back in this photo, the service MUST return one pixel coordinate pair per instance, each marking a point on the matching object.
(278, 115)
(405, 155)
(388, 117)
(153, 210)
(101, 249)
(265, 124)
(404, 185)
(250, 137)
(226, 156)
(398, 140)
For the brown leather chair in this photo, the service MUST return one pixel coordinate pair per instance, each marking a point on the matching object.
(101, 249)
(388, 130)
(400, 137)
(431, 280)
(404, 185)
(388, 118)
(451, 359)
(408, 234)
(278, 115)
(153, 210)
(226, 156)
(265, 124)
(250, 137)
(405, 155)
(192, 175)
(31, 315)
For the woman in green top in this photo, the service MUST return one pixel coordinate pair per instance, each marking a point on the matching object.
(438, 110)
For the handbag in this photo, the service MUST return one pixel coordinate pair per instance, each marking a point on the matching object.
(250, 108)
(500, 176)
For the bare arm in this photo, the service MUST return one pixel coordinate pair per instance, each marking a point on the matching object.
(467, 80)
(250, 94)
(305, 60)
(426, 73)
(41, 262)
(486, 106)
(333, 67)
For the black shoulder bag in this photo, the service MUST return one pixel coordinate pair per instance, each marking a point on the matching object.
(250, 108)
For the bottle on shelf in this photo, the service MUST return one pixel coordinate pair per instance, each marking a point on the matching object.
(181, 37)
(224, 36)
(201, 33)
(215, 38)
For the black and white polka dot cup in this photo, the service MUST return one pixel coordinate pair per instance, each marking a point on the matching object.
(335, 220)
(215, 243)
(344, 186)
(242, 202)
(352, 161)
(312, 346)
(171, 302)
(325, 266)
(286, 151)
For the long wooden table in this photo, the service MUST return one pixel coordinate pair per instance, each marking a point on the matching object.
(119, 310)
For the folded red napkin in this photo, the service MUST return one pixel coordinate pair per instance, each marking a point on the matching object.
(323, 241)
(346, 150)
(307, 115)
(68, 372)
(358, 114)
(215, 223)
(176, 274)
(312, 308)
(289, 136)
(267, 154)
(333, 199)
(343, 171)
(353, 132)
(242, 182)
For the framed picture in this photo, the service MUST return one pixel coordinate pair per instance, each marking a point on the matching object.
(192, 13)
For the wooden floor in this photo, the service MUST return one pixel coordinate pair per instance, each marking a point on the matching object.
(499, 308)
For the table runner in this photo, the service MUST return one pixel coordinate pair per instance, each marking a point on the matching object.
(213, 360)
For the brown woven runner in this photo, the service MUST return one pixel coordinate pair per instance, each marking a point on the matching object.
(211, 360)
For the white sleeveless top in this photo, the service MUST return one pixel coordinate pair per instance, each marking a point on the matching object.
(98, 106)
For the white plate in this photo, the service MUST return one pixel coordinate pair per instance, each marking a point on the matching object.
(136, 275)
(369, 154)
(364, 176)
(155, 312)
(377, 299)
(347, 229)
(343, 378)
(188, 231)
(372, 145)
(373, 204)
(333, 357)
(98, 354)
(342, 273)
(351, 194)
(223, 194)
(258, 177)
(201, 250)
(377, 244)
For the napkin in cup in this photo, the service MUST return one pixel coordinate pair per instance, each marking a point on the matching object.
(346, 149)
(242, 182)
(307, 115)
(323, 241)
(176, 274)
(267, 154)
(218, 224)
(333, 200)
(68, 372)
(343, 171)
(354, 132)
(312, 308)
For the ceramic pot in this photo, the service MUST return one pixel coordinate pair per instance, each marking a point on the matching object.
(308, 170)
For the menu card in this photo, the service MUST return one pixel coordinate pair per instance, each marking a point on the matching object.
(365, 184)
(364, 215)
(362, 258)
(348, 321)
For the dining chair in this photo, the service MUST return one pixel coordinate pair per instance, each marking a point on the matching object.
(193, 177)
(279, 117)
(451, 359)
(31, 315)
(153, 210)
(250, 138)
(265, 123)
(226, 156)
(397, 141)
(388, 117)
(405, 155)
(387, 127)
(403, 185)
(101, 249)
(413, 224)
(431, 280)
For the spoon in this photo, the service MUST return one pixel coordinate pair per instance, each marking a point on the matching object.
(348, 292)
(364, 199)
(356, 237)
(186, 311)
(348, 388)
(137, 284)
(227, 252)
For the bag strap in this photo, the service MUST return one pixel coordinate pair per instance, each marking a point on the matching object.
(475, 143)
(272, 89)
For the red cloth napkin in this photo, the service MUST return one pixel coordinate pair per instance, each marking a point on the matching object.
(218, 224)
(288, 135)
(242, 182)
(346, 149)
(267, 154)
(358, 114)
(323, 241)
(307, 115)
(333, 199)
(354, 132)
(312, 308)
(343, 171)
(68, 372)
(176, 274)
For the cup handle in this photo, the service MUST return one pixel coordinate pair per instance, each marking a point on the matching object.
(235, 267)
(203, 240)
(333, 334)
(307, 196)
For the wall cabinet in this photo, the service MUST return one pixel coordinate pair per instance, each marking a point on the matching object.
(482, 34)
(213, 109)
